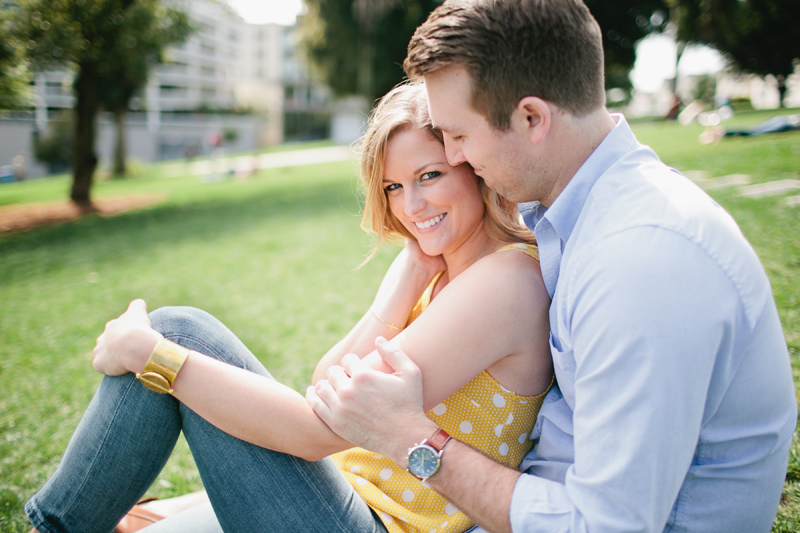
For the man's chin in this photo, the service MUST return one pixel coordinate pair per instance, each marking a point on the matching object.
(506, 193)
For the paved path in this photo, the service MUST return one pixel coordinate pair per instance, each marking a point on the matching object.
(243, 165)
(758, 190)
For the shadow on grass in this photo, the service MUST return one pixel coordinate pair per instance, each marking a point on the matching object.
(133, 234)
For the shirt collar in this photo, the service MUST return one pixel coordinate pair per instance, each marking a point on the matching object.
(565, 210)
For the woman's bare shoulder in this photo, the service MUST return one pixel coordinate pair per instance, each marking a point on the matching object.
(516, 277)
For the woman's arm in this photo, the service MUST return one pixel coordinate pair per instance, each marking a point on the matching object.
(404, 282)
(248, 406)
(494, 315)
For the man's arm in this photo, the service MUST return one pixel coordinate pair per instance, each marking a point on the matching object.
(383, 413)
(644, 344)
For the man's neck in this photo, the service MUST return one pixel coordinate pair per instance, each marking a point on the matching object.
(574, 140)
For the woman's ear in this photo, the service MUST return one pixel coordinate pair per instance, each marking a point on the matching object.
(534, 116)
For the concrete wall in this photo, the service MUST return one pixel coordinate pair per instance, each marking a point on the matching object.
(170, 140)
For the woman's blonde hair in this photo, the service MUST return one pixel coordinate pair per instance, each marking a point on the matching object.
(403, 108)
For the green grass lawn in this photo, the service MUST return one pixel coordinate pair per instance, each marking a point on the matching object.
(273, 257)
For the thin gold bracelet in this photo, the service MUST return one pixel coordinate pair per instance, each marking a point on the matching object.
(382, 320)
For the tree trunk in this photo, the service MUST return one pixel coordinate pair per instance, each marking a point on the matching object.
(120, 171)
(781, 89)
(680, 47)
(84, 158)
(366, 53)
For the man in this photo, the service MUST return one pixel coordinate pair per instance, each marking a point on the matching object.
(675, 407)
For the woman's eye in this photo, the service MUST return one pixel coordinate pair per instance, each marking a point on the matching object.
(392, 187)
(430, 175)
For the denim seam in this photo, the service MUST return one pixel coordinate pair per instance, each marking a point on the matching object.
(320, 497)
(208, 350)
(102, 444)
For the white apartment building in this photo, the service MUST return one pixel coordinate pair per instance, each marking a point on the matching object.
(228, 78)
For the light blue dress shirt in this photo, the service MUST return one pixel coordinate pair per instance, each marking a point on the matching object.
(675, 404)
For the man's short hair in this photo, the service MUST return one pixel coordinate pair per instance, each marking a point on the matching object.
(551, 49)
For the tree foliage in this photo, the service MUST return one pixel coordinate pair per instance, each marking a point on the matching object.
(624, 23)
(15, 90)
(102, 42)
(757, 36)
(143, 38)
(338, 36)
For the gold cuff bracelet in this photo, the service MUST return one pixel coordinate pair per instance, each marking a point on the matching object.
(163, 366)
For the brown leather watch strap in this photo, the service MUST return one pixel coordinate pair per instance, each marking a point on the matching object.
(439, 439)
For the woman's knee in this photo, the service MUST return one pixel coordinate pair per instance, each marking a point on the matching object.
(180, 320)
(198, 330)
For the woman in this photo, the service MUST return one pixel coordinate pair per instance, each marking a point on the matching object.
(484, 335)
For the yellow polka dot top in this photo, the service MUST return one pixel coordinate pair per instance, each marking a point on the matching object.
(482, 414)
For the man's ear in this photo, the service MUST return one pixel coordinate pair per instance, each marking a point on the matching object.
(535, 116)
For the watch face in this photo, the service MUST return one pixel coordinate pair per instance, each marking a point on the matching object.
(423, 461)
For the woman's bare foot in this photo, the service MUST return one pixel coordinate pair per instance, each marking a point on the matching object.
(175, 505)
(170, 506)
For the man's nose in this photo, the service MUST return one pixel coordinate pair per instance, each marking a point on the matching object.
(453, 153)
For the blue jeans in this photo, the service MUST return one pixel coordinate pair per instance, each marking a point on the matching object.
(128, 433)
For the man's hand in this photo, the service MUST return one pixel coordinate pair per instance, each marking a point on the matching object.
(378, 411)
(126, 342)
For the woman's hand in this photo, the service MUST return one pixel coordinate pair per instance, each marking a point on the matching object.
(430, 265)
(126, 342)
(408, 276)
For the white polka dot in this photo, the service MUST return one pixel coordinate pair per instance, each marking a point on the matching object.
(498, 429)
(450, 509)
(386, 473)
(408, 495)
(498, 400)
(476, 404)
(510, 418)
(523, 402)
(355, 469)
(387, 518)
(361, 481)
(503, 449)
(386, 497)
(519, 246)
(426, 484)
(465, 426)
(523, 438)
(440, 409)
(377, 457)
(443, 525)
(403, 518)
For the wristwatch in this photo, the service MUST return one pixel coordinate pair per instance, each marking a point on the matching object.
(425, 458)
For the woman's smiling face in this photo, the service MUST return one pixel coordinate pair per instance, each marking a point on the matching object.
(440, 205)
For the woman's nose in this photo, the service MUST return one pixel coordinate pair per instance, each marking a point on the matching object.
(414, 202)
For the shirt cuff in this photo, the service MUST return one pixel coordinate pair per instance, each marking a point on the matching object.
(541, 505)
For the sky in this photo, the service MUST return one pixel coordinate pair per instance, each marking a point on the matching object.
(655, 60)
(266, 11)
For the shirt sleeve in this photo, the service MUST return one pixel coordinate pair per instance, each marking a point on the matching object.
(645, 316)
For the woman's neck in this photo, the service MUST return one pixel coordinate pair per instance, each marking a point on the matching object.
(478, 245)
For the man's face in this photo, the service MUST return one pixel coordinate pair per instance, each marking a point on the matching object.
(497, 156)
